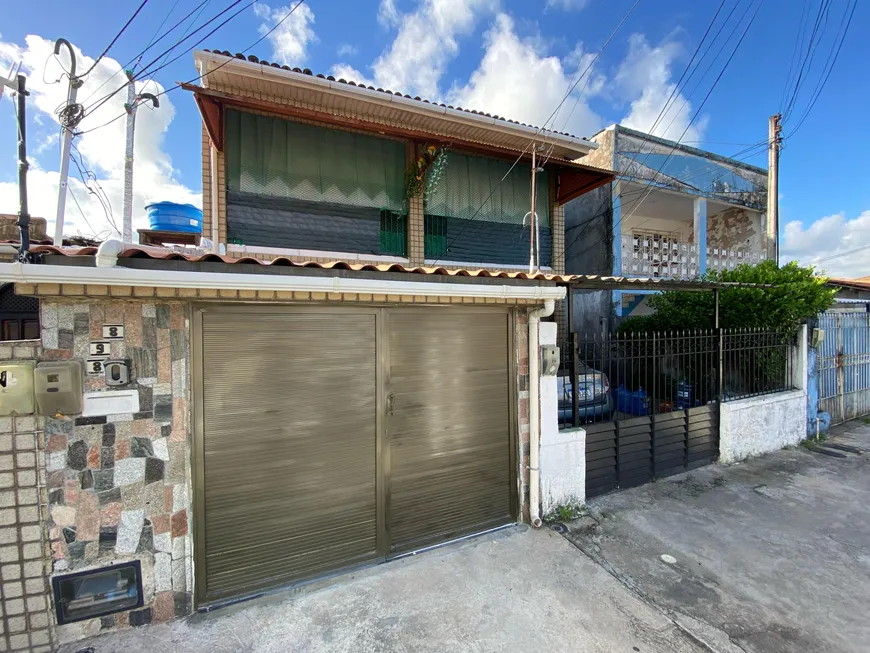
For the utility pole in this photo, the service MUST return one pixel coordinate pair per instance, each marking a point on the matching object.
(773, 147)
(132, 102)
(20, 87)
(66, 143)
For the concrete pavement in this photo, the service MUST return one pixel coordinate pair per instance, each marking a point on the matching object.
(772, 554)
(514, 590)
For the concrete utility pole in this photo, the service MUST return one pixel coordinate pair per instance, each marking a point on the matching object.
(66, 143)
(132, 102)
(19, 85)
(773, 146)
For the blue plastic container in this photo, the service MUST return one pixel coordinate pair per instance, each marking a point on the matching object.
(685, 395)
(169, 216)
(634, 403)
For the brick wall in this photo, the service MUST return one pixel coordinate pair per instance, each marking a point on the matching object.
(118, 485)
(26, 618)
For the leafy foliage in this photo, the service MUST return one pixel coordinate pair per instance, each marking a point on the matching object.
(796, 295)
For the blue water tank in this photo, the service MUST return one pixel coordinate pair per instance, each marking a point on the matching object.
(169, 216)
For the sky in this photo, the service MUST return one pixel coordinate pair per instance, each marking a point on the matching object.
(513, 58)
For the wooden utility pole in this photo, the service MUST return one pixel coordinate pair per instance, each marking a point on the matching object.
(773, 145)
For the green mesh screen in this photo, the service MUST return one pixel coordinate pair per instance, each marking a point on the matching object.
(271, 156)
(468, 181)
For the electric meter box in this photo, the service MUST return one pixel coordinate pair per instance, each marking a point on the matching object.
(58, 386)
(16, 388)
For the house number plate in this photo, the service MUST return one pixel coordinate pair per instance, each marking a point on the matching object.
(103, 349)
(95, 366)
(113, 331)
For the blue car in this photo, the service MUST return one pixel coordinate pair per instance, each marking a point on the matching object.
(595, 402)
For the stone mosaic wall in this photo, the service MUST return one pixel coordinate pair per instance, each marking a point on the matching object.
(25, 606)
(118, 485)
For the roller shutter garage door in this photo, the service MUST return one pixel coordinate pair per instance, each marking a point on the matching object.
(448, 424)
(288, 448)
(329, 437)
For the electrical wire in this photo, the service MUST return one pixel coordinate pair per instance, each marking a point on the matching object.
(231, 59)
(538, 131)
(87, 222)
(114, 40)
(141, 54)
(829, 66)
(146, 70)
(839, 254)
(92, 177)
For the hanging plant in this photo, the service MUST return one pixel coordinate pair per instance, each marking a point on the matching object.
(426, 172)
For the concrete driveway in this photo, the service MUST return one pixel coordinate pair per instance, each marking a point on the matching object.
(515, 590)
(771, 555)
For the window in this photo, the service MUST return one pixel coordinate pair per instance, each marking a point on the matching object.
(19, 316)
(435, 236)
(394, 238)
(281, 158)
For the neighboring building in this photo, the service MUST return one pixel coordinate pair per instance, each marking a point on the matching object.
(855, 292)
(672, 212)
(310, 401)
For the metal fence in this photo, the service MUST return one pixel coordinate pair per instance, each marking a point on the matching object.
(844, 365)
(650, 401)
(652, 373)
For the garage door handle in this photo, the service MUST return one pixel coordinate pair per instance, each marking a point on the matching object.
(390, 404)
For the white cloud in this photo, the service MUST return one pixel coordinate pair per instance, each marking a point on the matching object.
(102, 149)
(349, 73)
(425, 44)
(825, 242)
(346, 50)
(290, 40)
(645, 79)
(567, 5)
(388, 15)
(517, 80)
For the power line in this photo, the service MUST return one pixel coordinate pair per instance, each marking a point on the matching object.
(145, 69)
(829, 65)
(231, 59)
(538, 131)
(114, 40)
(840, 254)
(151, 45)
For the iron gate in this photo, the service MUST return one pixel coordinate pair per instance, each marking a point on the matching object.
(649, 402)
(844, 365)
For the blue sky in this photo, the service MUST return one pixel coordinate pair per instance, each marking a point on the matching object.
(504, 56)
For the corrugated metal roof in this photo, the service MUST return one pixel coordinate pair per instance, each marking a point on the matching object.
(580, 281)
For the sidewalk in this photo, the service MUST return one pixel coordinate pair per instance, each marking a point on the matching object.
(772, 554)
(515, 590)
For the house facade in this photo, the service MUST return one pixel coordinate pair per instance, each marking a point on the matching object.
(672, 212)
(350, 375)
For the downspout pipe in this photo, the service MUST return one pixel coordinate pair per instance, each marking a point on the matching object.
(535, 409)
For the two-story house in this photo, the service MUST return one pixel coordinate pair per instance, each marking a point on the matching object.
(321, 169)
(672, 212)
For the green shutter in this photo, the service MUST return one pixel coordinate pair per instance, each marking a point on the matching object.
(394, 237)
(280, 158)
(488, 190)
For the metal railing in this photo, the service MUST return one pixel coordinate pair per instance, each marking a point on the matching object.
(614, 377)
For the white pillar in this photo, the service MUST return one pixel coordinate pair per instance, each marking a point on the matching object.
(700, 233)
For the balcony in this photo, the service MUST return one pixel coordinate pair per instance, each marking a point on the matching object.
(667, 257)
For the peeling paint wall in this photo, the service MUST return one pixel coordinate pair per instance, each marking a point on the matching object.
(603, 156)
(735, 228)
(689, 170)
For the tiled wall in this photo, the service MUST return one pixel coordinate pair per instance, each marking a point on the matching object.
(118, 485)
(521, 337)
(24, 591)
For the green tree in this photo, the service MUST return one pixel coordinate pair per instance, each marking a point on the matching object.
(796, 295)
